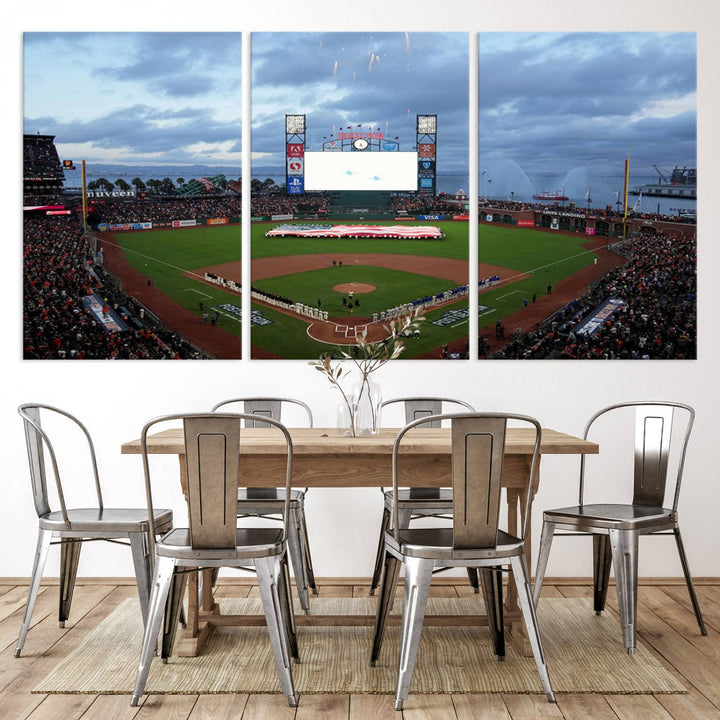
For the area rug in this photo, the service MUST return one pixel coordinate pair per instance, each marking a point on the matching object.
(584, 654)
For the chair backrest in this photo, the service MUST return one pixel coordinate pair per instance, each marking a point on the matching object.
(478, 449)
(264, 407)
(653, 442)
(38, 442)
(420, 407)
(212, 464)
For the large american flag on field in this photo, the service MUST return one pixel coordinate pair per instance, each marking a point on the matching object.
(410, 232)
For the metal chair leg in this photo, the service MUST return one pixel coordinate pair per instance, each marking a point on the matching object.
(624, 544)
(602, 561)
(268, 574)
(546, 538)
(173, 606)
(164, 570)
(69, 558)
(418, 574)
(380, 557)
(296, 557)
(385, 602)
(493, 597)
(286, 608)
(522, 582)
(143, 570)
(689, 581)
(41, 553)
(307, 558)
(474, 580)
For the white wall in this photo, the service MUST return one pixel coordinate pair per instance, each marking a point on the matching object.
(116, 398)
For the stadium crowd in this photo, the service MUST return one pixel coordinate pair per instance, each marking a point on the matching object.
(657, 321)
(58, 271)
(165, 209)
(274, 203)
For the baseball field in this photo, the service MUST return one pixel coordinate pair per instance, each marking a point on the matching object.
(380, 274)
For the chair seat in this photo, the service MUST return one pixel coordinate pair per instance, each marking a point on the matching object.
(121, 520)
(268, 500)
(437, 543)
(608, 516)
(250, 543)
(419, 499)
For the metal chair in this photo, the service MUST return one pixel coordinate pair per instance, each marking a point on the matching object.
(474, 540)
(72, 527)
(268, 502)
(616, 528)
(213, 540)
(417, 502)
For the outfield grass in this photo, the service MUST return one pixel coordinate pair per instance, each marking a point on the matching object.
(455, 244)
(546, 255)
(164, 255)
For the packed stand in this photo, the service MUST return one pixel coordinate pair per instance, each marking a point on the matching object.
(58, 271)
(658, 320)
(165, 209)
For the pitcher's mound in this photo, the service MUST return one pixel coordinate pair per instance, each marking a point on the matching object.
(357, 288)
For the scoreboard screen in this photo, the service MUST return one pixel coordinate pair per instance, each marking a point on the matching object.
(387, 171)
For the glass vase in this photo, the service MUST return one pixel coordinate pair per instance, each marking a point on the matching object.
(368, 399)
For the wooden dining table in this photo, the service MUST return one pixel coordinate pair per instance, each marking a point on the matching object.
(322, 457)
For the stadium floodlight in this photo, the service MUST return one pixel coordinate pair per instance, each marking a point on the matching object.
(294, 124)
(427, 124)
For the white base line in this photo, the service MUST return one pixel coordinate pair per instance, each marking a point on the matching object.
(196, 291)
(514, 292)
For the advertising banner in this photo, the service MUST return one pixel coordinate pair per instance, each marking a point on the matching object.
(295, 166)
(597, 318)
(488, 218)
(426, 150)
(295, 150)
(526, 223)
(426, 166)
(217, 221)
(554, 224)
(589, 230)
(285, 216)
(430, 217)
(460, 217)
(116, 227)
(295, 185)
(184, 223)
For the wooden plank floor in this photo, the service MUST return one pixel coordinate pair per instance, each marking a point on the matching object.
(665, 623)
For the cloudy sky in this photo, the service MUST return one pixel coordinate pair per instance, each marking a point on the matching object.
(375, 79)
(555, 103)
(549, 103)
(136, 98)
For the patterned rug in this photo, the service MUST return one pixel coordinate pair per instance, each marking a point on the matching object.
(584, 655)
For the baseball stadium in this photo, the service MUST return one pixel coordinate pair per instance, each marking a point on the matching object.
(155, 272)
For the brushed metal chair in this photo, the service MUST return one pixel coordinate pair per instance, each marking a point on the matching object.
(616, 528)
(474, 540)
(416, 503)
(71, 527)
(268, 502)
(213, 540)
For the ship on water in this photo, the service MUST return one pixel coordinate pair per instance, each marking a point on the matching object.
(547, 195)
(681, 183)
